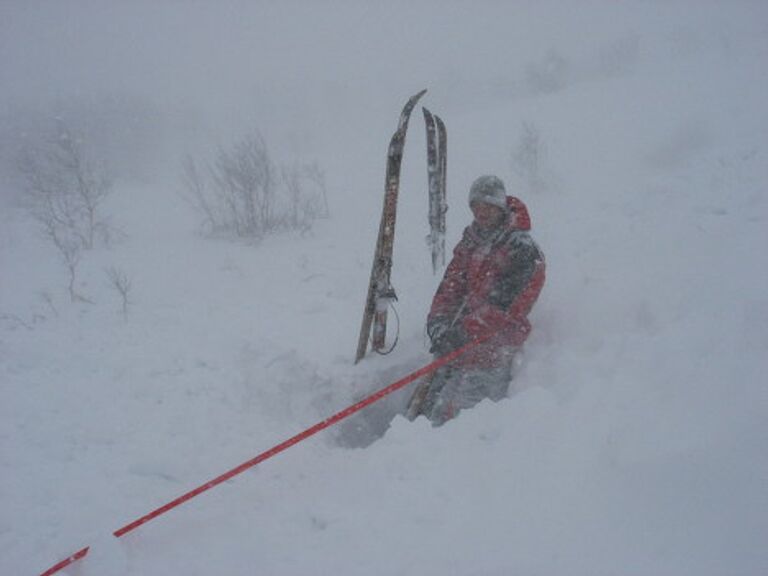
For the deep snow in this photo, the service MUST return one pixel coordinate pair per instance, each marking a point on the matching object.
(634, 439)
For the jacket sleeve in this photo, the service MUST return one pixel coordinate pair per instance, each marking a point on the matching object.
(452, 291)
(514, 294)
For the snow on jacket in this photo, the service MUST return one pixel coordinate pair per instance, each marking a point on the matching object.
(490, 286)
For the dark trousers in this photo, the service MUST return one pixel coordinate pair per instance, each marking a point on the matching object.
(454, 389)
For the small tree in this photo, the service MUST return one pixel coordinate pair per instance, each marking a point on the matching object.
(65, 191)
(64, 194)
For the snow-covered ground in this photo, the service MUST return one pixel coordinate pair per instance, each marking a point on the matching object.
(634, 441)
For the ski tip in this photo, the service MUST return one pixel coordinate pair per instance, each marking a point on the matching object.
(415, 98)
(407, 109)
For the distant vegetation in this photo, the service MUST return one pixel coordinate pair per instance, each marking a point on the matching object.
(240, 191)
(62, 162)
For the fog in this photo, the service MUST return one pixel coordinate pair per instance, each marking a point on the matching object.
(316, 78)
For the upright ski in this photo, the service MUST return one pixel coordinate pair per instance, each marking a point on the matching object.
(436, 174)
(380, 291)
(442, 155)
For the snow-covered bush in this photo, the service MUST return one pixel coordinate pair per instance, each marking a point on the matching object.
(242, 193)
(64, 193)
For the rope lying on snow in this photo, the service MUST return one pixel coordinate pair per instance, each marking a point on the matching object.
(322, 425)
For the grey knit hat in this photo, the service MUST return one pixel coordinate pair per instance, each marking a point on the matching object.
(490, 190)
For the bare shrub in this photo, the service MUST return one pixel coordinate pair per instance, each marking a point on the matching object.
(64, 194)
(120, 281)
(64, 190)
(241, 193)
(197, 194)
(244, 180)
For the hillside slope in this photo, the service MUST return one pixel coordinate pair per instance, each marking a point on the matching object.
(633, 441)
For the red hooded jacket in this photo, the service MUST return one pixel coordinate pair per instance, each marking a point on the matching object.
(490, 286)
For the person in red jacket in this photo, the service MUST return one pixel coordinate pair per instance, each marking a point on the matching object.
(491, 284)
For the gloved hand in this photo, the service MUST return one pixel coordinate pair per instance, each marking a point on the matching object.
(447, 340)
(436, 326)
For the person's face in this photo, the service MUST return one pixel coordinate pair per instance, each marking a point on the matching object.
(487, 216)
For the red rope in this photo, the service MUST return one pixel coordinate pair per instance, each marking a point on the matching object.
(66, 562)
(328, 422)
